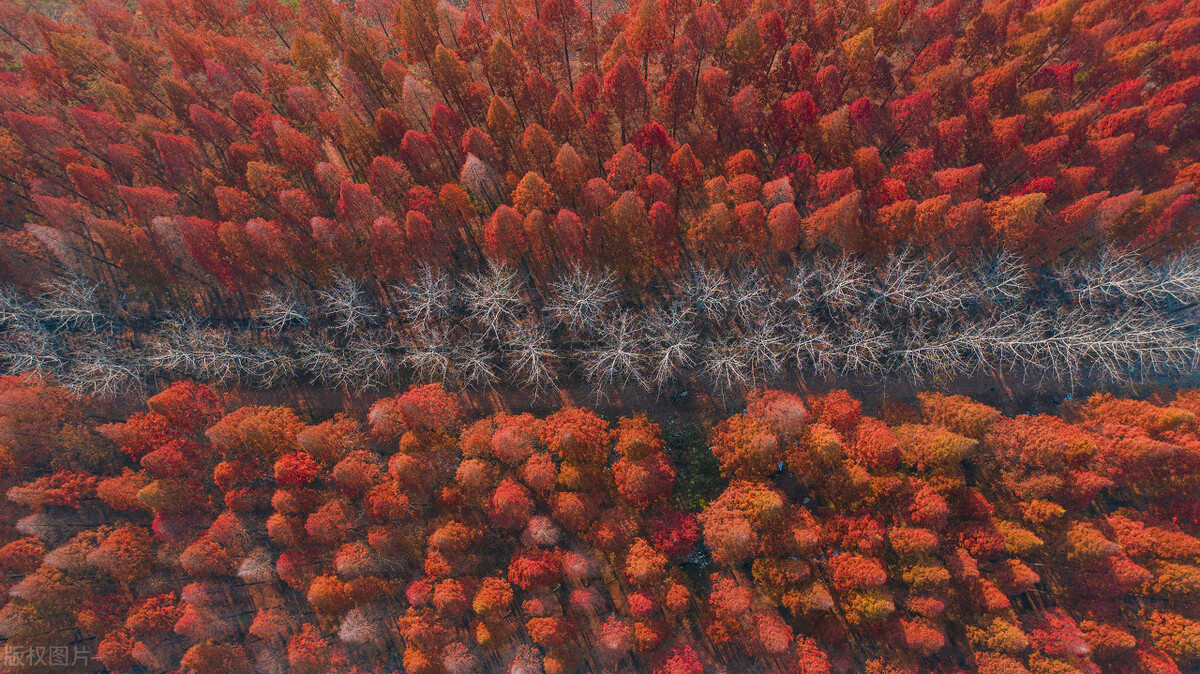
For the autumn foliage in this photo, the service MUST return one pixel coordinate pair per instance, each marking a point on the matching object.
(936, 536)
(189, 145)
(647, 193)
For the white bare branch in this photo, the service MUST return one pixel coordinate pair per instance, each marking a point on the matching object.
(751, 299)
(427, 299)
(102, 371)
(804, 286)
(367, 357)
(429, 356)
(1115, 274)
(345, 305)
(726, 367)
(812, 347)
(861, 348)
(671, 340)
(707, 292)
(842, 283)
(494, 298)
(270, 366)
(936, 349)
(72, 304)
(1002, 278)
(321, 359)
(30, 349)
(14, 310)
(581, 299)
(912, 284)
(473, 366)
(619, 358)
(278, 310)
(764, 351)
(531, 357)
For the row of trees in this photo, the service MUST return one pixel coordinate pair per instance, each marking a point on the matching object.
(1114, 318)
(204, 153)
(940, 537)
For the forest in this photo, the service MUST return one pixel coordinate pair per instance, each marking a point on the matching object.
(801, 535)
(572, 336)
(662, 197)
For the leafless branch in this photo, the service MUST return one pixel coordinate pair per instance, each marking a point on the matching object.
(268, 366)
(861, 348)
(473, 366)
(493, 298)
(280, 310)
(103, 371)
(618, 359)
(764, 351)
(531, 357)
(428, 299)
(321, 359)
(581, 299)
(913, 284)
(346, 305)
(726, 367)
(1115, 274)
(1003, 278)
(751, 299)
(812, 347)
(30, 349)
(707, 293)
(72, 303)
(843, 283)
(671, 339)
(367, 358)
(429, 356)
(936, 349)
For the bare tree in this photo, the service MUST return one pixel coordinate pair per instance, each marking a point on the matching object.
(671, 340)
(751, 299)
(345, 305)
(726, 367)
(186, 347)
(913, 284)
(618, 359)
(27, 346)
(278, 310)
(321, 359)
(843, 283)
(764, 351)
(707, 292)
(103, 371)
(1011, 339)
(72, 303)
(803, 285)
(427, 299)
(367, 357)
(1124, 347)
(494, 298)
(1113, 275)
(473, 366)
(861, 347)
(1178, 280)
(1002, 278)
(936, 349)
(14, 310)
(429, 356)
(170, 351)
(581, 299)
(269, 366)
(811, 346)
(531, 357)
